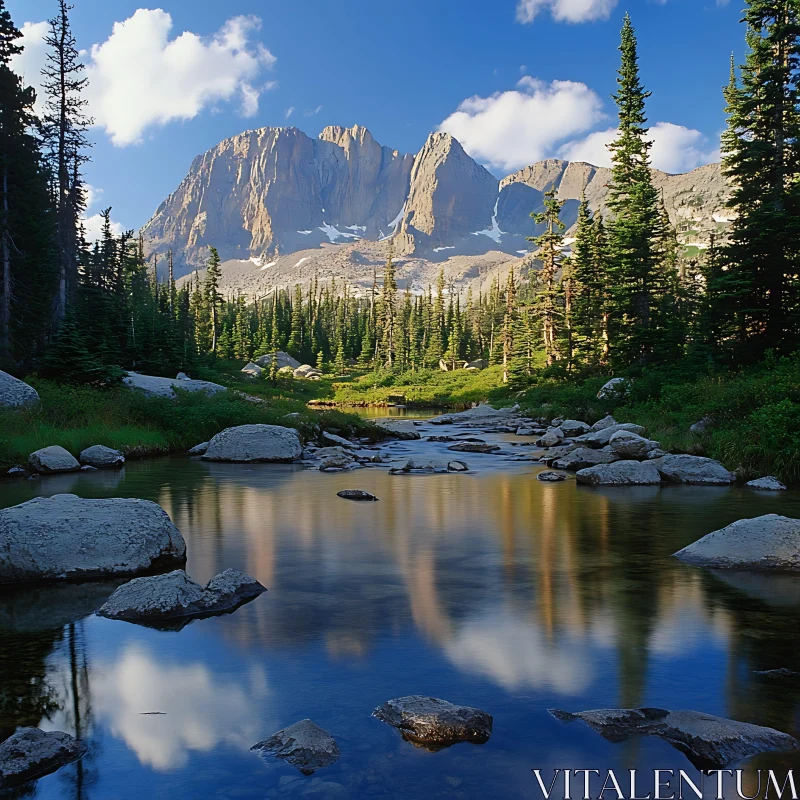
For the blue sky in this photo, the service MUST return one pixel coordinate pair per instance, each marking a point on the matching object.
(540, 74)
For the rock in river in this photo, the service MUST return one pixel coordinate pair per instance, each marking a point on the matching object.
(158, 598)
(627, 444)
(694, 470)
(102, 457)
(435, 723)
(15, 393)
(474, 447)
(53, 459)
(551, 477)
(356, 494)
(304, 745)
(399, 428)
(600, 438)
(620, 473)
(255, 443)
(574, 427)
(770, 542)
(65, 537)
(583, 457)
(709, 742)
(199, 449)
(768, 484)
(31, 753)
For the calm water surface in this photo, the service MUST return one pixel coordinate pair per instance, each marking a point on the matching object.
(490, 589)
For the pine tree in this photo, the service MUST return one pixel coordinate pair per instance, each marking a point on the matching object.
(436, 341)
(211, 295)
(387, 318)
(758, 292)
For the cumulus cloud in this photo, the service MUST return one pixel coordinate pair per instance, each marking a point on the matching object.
(565, 10)
(675, 148)
(31, 60)
(512, 129)
(93, 228)
(140, 79)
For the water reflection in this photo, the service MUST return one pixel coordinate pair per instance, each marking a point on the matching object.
(491, 588)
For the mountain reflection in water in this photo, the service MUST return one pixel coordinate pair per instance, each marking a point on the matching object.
(490, 589)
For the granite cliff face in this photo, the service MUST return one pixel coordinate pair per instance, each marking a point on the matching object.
(273, 199)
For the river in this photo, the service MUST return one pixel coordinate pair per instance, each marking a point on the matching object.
(489, 589)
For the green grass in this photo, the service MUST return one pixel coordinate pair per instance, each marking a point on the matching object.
(77, 417)
(431, 388)
(756, 412)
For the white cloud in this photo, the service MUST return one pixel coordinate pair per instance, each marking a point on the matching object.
(512, 129)
(289, 112)
(30, 61)
(93, 227)
(565, 10)
(312, 112)
(139, 79)
(675, 148)
(93, 196)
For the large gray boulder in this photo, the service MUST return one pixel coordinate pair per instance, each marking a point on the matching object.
(602, 437)
(694, 470)
(101, 457)
(399, 428)
(307, 371)
(284, 360)
(15, 393)
(627, 444)
(620, 473)
(552, 438)
(338, 440)
(709, 742)
(767, 484)
(157, 598)
(255, 443)
(433, 722)
(304, 745)
(574, 427)
(615, 389)
(253, 370)
(65, 537)
(583, 458)
(31, 753)
(770, 542)
(53, 459)
(604, 423)
(154, 386)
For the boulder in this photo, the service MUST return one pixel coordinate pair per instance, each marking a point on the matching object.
(604, 423)
(284, 360)
(65, 537)
(15, 393)
(410, 465)
(574, 427)
(553, 438)
(702, 426)
(441, 439)
(357, 494)
(101, 457)
(336, 461)
(709, 742)
(306, 371)
(158, 598)
(602, 437)
(53, 459)
(247, 444)
(627, 444)
(304, 745)
(153, 386)
(445, 419)
(182, 376)
(457, 466)
(694, 470)
(770, 542)
(399, 428)
(620, 473)
(31, 753)
(769, 484)
(337, 440)
(433, 722)
(551, 477)
(582, 458)
(615, 389)
(657, 453)
(525, 431)
(18, 471)
(199, 449)
(253, 370)
(474, 447)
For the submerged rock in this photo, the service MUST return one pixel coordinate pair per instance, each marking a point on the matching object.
(356, 494)
(15, 393)
(53, 459)
(551, 477)
(157, 598)
(474, 447)
(31, 753)
(770, 542)
(304, 745)
(102, 457)
(65, 537)
(247, 444)
(709, 742)
(620, 473)
(435, 723)
(441, 439)
(769, 484)
(693, 470)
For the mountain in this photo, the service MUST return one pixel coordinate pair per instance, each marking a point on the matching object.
(274, 200)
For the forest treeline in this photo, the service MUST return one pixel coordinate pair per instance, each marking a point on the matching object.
(624, 298)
